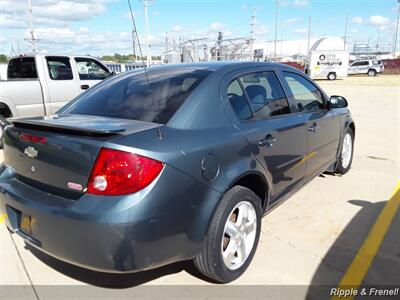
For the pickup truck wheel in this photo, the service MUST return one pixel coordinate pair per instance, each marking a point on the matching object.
(346, 154)
(332, 76)
(233, 236)
(371, 73)
(3, 124)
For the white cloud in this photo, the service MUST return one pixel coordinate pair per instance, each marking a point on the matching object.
(216, 26)
(177, 28)
(156, 13)
(301, 3)
(357, 20)
(378, 20)
(70, 11)
(9, 22)
(354, 30)
(52, 12)
(289, 22)
(300, 31)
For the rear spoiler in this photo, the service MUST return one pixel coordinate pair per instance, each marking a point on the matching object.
(46, 126)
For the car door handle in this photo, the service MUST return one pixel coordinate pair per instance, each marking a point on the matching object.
(84, 86)
(313, 128)
(268, 142)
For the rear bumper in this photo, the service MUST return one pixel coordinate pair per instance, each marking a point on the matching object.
(151, 228)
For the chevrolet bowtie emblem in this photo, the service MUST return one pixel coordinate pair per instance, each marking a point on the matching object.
(31, 152)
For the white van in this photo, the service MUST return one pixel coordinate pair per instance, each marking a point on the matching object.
(327, 64)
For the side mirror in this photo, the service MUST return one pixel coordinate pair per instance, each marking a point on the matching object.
(337, 102)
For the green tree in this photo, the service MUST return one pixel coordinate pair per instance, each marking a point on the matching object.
(3, 58)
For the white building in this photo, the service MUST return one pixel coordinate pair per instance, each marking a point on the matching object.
(290, 48)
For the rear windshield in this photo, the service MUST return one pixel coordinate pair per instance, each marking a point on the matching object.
(22, 68)
(131, 96)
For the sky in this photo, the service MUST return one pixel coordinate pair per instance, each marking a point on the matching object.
(99, 27)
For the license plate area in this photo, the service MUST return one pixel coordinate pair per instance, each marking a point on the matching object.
(26, 224)
(22, 224)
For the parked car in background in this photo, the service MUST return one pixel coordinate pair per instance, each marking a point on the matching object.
(39, 85)
(369, 67)
(173, 163)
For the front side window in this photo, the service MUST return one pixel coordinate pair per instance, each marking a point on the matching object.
(22, 68)
(132, 96)
(266, 95)
(307, 96)
(59, 68)
(89, 69)
(238, 101)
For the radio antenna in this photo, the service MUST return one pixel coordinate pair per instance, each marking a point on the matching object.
(159, 133)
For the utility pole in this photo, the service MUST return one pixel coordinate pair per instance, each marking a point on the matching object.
(31, 40)
(378, 38)
(345, 32)
(146, 3)
(219, 42)
(397, 32)
(276, 26)
(134, 44)
(309, 36)
(253, 23)
(166, 46)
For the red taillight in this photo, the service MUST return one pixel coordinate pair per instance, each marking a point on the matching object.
(119, 173)
(32, 138)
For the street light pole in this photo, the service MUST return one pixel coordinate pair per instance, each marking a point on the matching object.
(276, 27)
(397, 31)
(253, 23)
(146, 3)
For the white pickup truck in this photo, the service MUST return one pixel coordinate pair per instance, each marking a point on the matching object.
(39, 84)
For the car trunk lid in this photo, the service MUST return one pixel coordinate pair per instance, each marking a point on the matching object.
(56, 154)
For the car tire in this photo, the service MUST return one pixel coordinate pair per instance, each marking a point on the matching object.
(371, 73)
(332, 76)
(3, 124)
(346, 153)
(222, 258)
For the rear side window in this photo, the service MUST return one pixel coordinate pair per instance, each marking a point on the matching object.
(22, 68)
(307, 96)
(89, 69)
(131, 96)
(59, 68)
(238, 101)
(265, 94)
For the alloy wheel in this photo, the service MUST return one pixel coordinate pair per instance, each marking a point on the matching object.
(239, 235)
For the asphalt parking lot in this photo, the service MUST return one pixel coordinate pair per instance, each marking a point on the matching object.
(313, 238)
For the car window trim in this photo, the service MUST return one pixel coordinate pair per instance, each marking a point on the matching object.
(62, 57)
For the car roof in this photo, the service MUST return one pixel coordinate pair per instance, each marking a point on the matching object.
(223, 66)
(53, 55)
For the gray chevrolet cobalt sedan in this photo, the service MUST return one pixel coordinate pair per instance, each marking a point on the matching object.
(172, 163)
